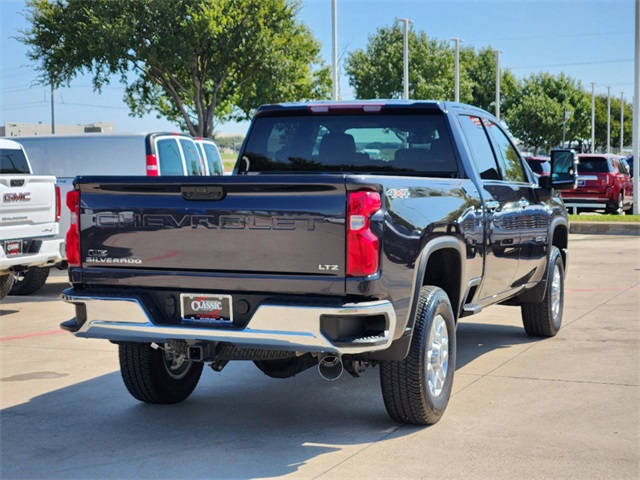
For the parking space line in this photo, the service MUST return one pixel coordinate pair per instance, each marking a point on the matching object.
(30, 335)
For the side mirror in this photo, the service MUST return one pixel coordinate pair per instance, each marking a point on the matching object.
(564, 169)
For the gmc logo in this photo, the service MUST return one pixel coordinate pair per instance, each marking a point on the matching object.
(17, 197)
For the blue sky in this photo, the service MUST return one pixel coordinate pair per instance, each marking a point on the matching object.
(592, 41)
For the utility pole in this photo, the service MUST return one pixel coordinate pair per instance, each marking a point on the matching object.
(621, 121)
(405, 74)
(457, 71)
(334, 18)
(593, 117)
(497, 52)
(608, 119)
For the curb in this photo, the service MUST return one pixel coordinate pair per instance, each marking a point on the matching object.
(604, 228)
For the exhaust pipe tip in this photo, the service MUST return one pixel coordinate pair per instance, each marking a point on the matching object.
(330, 367)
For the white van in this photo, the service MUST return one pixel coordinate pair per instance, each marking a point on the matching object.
(147, 154)
(211, 156)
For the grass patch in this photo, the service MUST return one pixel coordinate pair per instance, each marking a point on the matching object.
(229, 161)
(604, 218)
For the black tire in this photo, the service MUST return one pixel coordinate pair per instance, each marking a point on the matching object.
(6, 282)
(544, 319)
(616, 208)
(409, 396)
(150, 379)
(30, 281)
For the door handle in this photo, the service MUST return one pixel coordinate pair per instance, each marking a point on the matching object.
(492, 205)
(204, 192)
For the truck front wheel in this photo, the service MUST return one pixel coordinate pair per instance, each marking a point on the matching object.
(417, 389)
(157, 376)
(543, 319)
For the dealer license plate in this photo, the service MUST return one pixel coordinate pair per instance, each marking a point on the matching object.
(13, 247)
(199, 308)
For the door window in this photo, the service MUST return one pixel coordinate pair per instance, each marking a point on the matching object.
(169, 157)
(481, 150)
(213, 159)
(192, 157)
(507, 155)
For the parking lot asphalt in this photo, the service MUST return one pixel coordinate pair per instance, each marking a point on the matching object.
(564, 407)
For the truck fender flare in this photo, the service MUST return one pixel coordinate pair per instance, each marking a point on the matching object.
(537, 293)
(433, 245)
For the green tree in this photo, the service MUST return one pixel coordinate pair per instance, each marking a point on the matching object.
(480, 70)
(536, 112)
(601, 123)
(195, 62)
(377, 71)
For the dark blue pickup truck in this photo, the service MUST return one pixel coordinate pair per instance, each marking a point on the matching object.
(350, 235)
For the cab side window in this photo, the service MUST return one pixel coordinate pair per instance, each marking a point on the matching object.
(508, 156)
(481, 150)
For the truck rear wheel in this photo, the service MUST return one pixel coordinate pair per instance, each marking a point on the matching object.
(543, 319)
(157, 376)
(6, 282)
(30, 281)
(417, 389)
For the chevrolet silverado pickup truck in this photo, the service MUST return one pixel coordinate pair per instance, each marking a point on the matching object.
(350, 235)
(28, 223)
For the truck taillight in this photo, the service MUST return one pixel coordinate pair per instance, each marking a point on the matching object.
(73, 235)
(57, 203)
(363, 247)
(152, 166)
(610, 178)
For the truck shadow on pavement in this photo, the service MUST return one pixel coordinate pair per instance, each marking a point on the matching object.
(237, 424)
(477, 339)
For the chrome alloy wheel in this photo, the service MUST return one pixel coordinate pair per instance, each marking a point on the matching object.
(437, 353)
(177, 365)
(556, 295)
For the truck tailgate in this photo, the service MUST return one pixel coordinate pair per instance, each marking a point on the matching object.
(291, 225)
(27, 200)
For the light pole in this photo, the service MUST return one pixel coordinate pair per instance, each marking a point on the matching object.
(53, 112)
(457, 71)
(567, 116)
(593, 117)
(621, 121)
(636, 111)
(608, 119)
(497, 52)
(334, 18)
(405, 62)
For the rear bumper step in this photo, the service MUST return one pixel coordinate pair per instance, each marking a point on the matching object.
(277, 327)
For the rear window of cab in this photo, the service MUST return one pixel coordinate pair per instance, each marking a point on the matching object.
(398, 143)
(13, 161)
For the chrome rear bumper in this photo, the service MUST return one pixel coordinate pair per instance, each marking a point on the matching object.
(277, 327)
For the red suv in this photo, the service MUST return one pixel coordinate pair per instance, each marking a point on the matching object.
(603, 182)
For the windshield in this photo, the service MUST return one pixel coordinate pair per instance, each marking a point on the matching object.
(403, 144)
